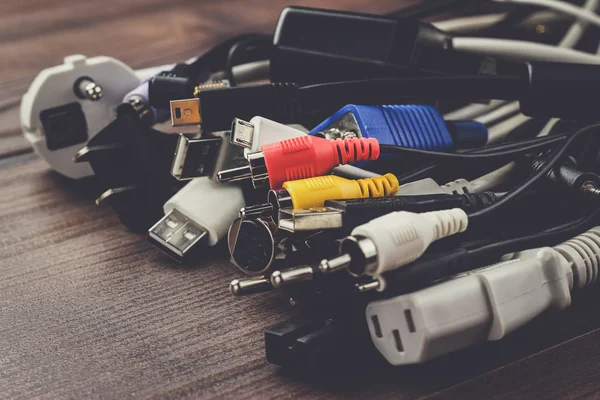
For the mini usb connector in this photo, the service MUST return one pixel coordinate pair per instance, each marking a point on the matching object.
(185, 112)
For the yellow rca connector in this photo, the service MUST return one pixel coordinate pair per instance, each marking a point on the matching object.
(313, 192)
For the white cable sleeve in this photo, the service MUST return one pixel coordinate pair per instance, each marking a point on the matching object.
(499, 131)
(209, 204)
(522, 51)
(577, 29)
(562, 7)
(548, 127)
(493, 179)
(469, 24)
(499, 113)
(473, 110)
(464, 25)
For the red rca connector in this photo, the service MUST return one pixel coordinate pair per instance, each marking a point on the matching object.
(300, 158)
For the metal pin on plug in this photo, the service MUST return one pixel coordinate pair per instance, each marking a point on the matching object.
(335, 264)
(242, 287)
(367, 287)
(86, 88)
(283, 278)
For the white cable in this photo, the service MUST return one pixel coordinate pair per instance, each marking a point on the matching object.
(493, 179)
(548, 127)
(570, 39)
(499, 113)
(499, 131)
(469, 24)
(465, 25)
(484, 304)
(522, 51)
(472, 110)
(562, 7)
(577, 29)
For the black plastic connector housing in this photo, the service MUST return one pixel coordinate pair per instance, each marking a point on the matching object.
(276, 101)
(317, 45)
(360, 211)
(134, 161)
(562, 90)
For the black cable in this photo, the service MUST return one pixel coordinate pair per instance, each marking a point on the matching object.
(552, 161)
(542, 141)
(250, 49)
(545, 238)
(216, 58)
(429, 8)
(376, 91)
(434, 267)
(488, 155)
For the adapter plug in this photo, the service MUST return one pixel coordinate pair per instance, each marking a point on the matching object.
(68, 104)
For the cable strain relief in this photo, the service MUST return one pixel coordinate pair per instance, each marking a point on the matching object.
(583, 254)
(468, 134)
(162, 89)
(478, 201)
(448, 222)
(381, 186)
(356, 149)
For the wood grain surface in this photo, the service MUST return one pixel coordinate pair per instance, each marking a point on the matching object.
(90, 310)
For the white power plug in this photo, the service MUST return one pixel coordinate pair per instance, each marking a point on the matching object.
(56, 117)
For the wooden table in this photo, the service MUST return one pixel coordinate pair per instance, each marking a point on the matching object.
(90, 310)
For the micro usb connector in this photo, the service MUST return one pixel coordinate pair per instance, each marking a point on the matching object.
(200, 213)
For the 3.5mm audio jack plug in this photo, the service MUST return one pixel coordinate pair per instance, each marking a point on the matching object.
(300, 158)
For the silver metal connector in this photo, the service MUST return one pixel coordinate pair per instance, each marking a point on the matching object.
(256, 170)
(335, 264)
(175, 235)
(195, 157)
(279, 199)
(242, 133)
(362, 252)
(256, 211)
(243, 287)
(86, 88)
(310, 219)
(344, 128)
(367, 287)
(287, 277)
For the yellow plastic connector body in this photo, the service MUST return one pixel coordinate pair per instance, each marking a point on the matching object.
(313, 192)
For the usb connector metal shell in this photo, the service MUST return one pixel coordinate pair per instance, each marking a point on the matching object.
(175, 235)
(195, 157)
(242, 133)
(310, 219)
